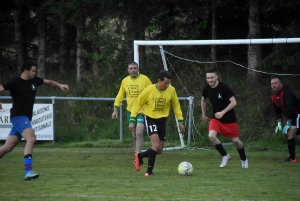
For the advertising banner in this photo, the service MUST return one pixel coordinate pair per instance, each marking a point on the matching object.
(42, 121)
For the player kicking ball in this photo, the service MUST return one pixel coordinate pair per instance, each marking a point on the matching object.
(156, 100)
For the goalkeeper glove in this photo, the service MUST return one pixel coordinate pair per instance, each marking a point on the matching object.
(286, 128)
(278, 127)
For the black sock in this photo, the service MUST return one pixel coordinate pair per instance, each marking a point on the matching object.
(292, 149)
(144, 154)
(242, 153)
(151, 160)
(28, 156)
(221, 149)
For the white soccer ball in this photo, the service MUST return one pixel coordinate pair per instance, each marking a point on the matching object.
(185, 168)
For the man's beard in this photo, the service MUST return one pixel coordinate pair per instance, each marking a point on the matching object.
(276, 91)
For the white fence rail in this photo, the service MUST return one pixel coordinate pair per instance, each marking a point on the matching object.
(55, 98)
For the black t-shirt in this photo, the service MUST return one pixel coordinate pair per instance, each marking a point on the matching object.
(219, 98)
(23, 95)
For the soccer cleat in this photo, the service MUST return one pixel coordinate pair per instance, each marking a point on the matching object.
(141, 162)
(294, 160)
(148, 174)
(224, 161)
(289, 160)
(31, 175)
(245, 163)
(137, 164)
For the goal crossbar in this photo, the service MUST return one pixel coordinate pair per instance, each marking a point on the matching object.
(138, 43)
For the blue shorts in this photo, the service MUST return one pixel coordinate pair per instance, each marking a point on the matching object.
(140, 119)
(20, 123)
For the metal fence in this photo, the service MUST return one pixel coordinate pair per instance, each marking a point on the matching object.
(55, 98)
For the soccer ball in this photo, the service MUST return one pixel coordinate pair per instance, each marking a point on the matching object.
(185, 168)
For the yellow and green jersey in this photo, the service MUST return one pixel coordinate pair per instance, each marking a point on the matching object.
(156, 103)
(130, 88)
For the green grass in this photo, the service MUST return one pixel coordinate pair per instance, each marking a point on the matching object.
(76, 173)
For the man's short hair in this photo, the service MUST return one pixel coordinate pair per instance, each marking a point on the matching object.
(133, 64)
(276, 78)
(162, 74)
(27, 65)
(212, 70)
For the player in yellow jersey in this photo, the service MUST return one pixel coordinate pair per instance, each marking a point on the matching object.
(131, 87)
(156, 100)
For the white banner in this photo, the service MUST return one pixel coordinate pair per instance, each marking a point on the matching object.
(42, 121)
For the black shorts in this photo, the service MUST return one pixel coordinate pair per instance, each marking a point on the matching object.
(156, 126)
(296, 122)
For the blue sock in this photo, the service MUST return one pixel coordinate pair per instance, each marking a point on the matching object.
(28, 164)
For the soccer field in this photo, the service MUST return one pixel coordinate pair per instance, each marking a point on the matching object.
(108, 174)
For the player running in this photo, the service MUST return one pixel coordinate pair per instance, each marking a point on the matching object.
(223, 119)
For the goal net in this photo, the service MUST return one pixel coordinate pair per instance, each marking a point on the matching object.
(194, 95)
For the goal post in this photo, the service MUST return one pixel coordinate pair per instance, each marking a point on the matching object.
(166, 68)
(161, 43)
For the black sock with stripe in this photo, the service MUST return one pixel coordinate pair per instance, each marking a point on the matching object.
(151, 160)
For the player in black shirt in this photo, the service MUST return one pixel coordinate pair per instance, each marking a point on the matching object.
(23, 92)
(223, 119)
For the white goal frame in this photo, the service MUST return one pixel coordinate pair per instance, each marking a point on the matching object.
(161, 43)
(138, 43)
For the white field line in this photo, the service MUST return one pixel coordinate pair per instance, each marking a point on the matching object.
(120, 197)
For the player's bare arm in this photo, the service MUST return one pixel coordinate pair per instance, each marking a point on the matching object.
(203, 108)
(56, 84)
(231, 105)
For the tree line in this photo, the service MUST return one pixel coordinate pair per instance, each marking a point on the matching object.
(88, 35)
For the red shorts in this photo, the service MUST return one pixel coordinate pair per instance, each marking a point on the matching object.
(230, 130)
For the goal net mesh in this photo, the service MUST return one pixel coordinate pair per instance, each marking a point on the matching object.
(188, 64)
